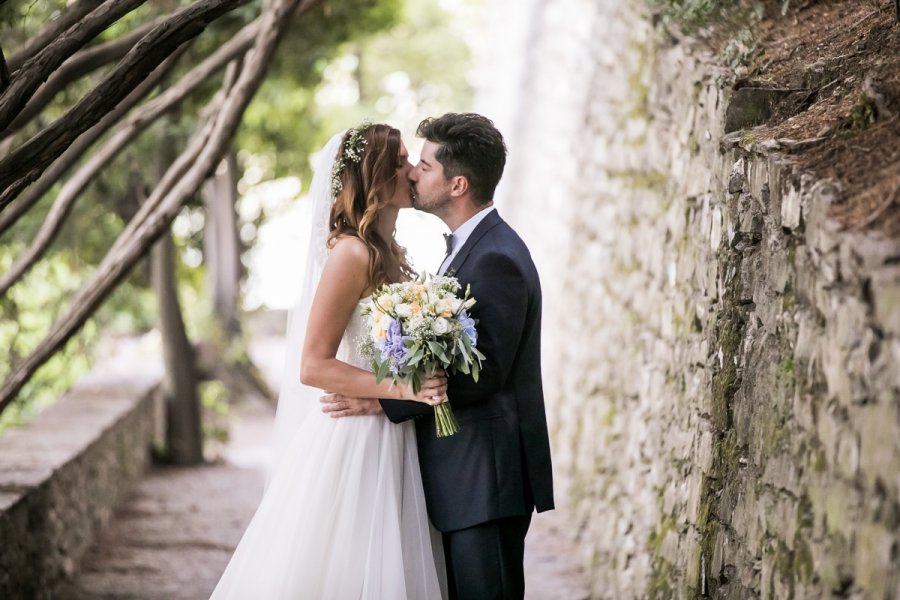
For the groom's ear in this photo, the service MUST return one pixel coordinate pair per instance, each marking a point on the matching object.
(460, 186)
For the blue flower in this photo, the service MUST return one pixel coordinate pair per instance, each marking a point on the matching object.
(468, 324)
(394, 347)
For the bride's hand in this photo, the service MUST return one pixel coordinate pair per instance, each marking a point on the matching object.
(434, 390)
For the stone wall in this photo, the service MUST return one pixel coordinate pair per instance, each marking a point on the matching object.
(62, 474)
(722, 361)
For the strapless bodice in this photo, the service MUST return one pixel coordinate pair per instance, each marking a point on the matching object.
(356, 329)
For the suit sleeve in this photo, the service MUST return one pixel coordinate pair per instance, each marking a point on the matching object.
(501, 308)
(403, 410)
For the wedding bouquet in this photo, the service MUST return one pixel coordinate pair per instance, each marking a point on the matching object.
(416, 327)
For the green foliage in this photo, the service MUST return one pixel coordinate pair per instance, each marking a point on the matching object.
(214, 400)
(732, 18)
(692, 14)
(662, 571)
(862, 115)
(637, 82)
(25, 314)
(20, 18)
(741, 49)
(350, 61)
(283, 121)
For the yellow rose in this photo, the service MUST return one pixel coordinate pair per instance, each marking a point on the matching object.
(380, 324)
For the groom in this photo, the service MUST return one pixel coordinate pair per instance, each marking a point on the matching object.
(481, 484)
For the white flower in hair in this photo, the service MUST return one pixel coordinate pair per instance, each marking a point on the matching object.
(352, 151)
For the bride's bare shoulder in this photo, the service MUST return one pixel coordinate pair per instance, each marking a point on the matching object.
(348, 247)
(348, 265)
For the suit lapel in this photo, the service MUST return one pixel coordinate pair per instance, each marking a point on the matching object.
(489, 222)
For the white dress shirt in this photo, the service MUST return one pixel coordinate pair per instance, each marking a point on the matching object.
(462, 234)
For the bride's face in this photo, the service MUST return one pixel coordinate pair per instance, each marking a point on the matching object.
(402, 197)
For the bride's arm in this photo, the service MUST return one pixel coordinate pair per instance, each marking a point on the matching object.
(344, 281)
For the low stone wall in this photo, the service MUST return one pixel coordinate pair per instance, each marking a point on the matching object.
(62, 474)
(722, 361)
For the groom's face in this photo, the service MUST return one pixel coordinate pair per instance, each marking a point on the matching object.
(432, 188)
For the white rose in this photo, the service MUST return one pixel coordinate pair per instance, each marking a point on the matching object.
(402, 310)
(396, 299)
(385, 303)
(440, 326)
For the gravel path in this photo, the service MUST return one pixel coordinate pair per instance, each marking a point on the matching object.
(172, 538)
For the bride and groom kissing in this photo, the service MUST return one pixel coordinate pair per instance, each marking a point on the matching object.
(370, 503)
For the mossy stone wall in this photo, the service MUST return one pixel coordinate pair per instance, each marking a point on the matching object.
(722, 361)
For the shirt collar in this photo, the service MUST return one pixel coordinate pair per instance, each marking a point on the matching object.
(463, 232)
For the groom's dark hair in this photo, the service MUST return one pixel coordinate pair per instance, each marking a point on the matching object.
(470, 146)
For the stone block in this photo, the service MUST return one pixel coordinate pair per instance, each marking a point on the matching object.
(751, 106)
(874, 566)
(879, 453)
(836, 376)
(847, 454)
(885, 291)
(790, 209)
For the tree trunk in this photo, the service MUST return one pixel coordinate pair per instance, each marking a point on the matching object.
(184, 430)
(184, 435)
(222, 251)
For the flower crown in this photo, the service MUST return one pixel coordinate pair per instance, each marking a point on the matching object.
(353, 149)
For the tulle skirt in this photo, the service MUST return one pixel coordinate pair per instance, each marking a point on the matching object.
(343, 517)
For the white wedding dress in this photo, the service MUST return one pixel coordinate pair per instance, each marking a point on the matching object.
(343, 515)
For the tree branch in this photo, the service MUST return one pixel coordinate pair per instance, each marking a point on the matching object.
(136, 123)
(4, 73)
(76, 67)
(26, 163)
(73, 188)
(70, 15)
(125, 254)
(38, 68)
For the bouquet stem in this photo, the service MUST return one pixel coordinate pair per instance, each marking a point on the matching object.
(444, 421)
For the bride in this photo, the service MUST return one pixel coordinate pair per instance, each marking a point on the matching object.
(343, 515)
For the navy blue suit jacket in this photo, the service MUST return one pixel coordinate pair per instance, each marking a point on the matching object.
(498, 464)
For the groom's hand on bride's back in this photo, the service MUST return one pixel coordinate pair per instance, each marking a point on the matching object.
(337, 406)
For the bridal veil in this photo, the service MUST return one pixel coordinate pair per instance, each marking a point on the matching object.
(295, 400)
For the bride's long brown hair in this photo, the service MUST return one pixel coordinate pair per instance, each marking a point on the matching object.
(367, 186)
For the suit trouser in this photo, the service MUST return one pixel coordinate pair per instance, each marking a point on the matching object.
(484, 562)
